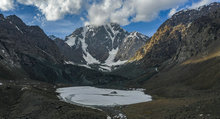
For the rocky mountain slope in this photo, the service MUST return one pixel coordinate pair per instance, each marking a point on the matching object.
(19, 43)
(26, 52)
(177, 36)
(106, 46)
(186, 34)
(197, 56)
(180, 67)
(32, 67)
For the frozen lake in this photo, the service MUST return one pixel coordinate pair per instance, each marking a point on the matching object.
(92, 96)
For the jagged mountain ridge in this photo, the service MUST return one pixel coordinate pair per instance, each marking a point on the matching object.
(172, 33)
(108, 45)
(22, 47)
(26, 52)
(181, 61)
(187, 34)
(15, 31)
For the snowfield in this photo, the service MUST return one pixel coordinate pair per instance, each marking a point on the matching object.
(91, 96)
(109, 62)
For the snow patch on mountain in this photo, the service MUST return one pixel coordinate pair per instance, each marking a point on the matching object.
(71, 41)
(18, 29)
(112, 38)
(105, 68)
(112, 54)
(110, 60)
(120, 116)
(82, 65)
(110, 42)
(87, 56)
(113, 31)
(135, 35)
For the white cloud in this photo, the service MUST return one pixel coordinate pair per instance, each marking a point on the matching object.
(108, 11)
(55, 9)
(40, 18)
(127, 11)
(104, 11)
(6, 5)
(201, 3)
(194, 5)
(98, 12)
(172, 12)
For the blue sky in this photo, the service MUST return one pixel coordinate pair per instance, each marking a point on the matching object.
(64, 23)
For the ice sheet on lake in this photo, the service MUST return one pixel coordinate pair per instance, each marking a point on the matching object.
(92, 96)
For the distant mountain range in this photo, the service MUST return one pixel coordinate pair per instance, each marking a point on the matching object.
(100, 47)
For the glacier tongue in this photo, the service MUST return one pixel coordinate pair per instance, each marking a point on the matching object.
(112, 54)
(111, 57)
(87, 56)
(110, 61)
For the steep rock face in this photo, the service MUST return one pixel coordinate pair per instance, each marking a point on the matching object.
(94, 43)
(202, 38)
(20, 43)
(106, 46)
(27, 53)
(132, 43)
(193, 71)
(184, 35)
(52, 37)
(17, 37)
(187, 34)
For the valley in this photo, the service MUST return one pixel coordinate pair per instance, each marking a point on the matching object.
(106, 72)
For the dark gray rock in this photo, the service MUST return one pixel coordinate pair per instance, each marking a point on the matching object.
(187, 34)
(100, 43)
(26, 52)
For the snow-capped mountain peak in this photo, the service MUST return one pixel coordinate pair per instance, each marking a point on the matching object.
(102, 45)
(136, 35)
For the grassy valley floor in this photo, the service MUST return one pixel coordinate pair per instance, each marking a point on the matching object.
(25, 100)
(203, 106)
(185, 91)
